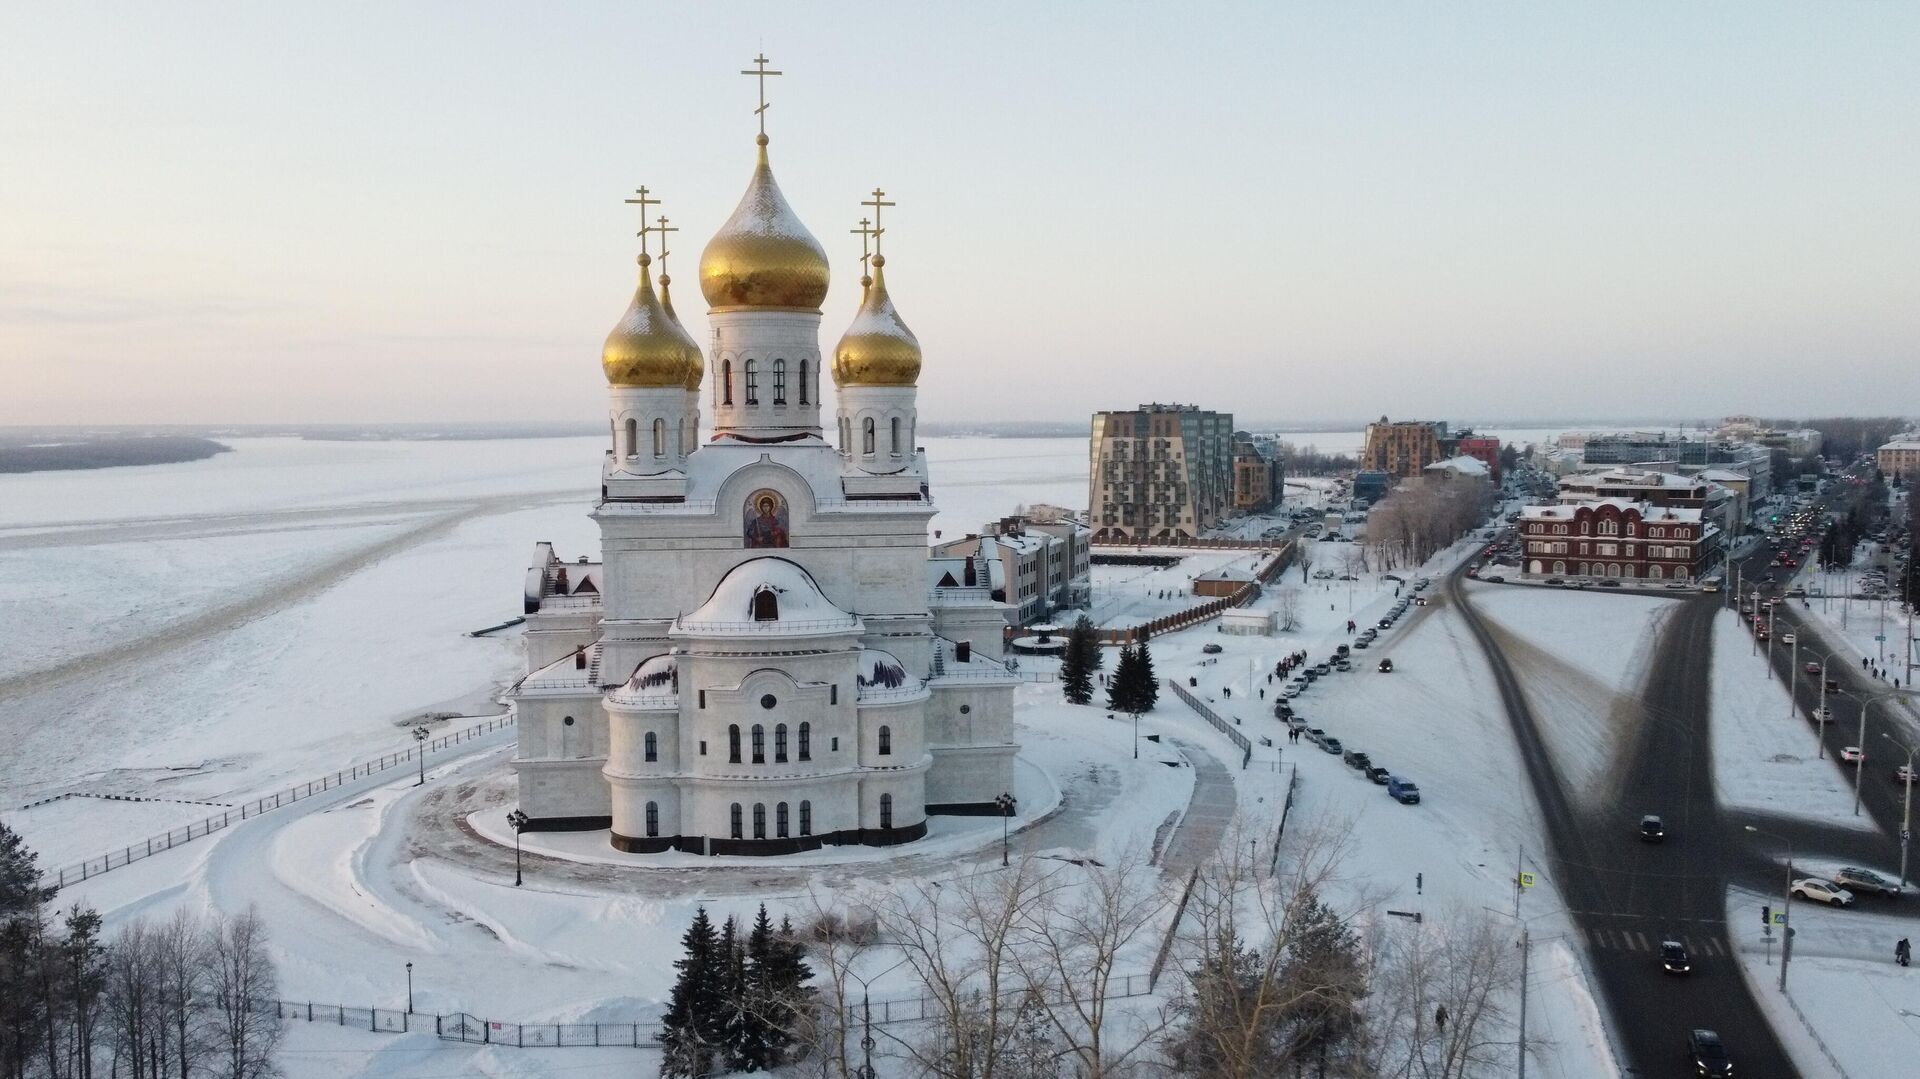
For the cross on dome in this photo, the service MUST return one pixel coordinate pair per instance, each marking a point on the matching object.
(760, 73)
(641, 200)
(662, 229)
(866, 236)
(878, 202)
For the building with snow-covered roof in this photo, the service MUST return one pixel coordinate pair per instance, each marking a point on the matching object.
(1618, 537)
(1901, 457)
(765, 659)
(1033, 566)
(1657, 488)
(1462, 466)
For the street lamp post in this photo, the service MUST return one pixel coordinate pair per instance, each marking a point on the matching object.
(1906, 806)
(420, 739)
(409, 988)
(1860, 762)
(1786, 909)
(518, 819)
(1793, 676)
(1820, 717)
(1006, 803)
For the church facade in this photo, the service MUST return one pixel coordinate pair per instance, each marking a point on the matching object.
(765, 659)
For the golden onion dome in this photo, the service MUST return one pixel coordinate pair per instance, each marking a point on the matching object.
(698, 366)
(763, 256)
(878, 349)
(647, 348)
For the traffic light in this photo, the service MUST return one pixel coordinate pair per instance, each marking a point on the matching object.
(1766, 915)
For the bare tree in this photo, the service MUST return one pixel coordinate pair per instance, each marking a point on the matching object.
(1286, 603)
(245, 1034)
(835, 945)
(133, 1015)
(1438, 1012)
(181, 954)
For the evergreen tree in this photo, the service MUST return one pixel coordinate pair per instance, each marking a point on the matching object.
(733, 1020)
(754, 1044)
(20, 891)
(1149, 682)
(24, 1004)
(690, 1032)
(1122, 688)
(1325, 979)
(792, 1000)
(1223, 1021)
(1076, 667)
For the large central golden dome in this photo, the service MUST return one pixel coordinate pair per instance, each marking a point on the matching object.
(647, 348)
(878, 349)
(763, 256)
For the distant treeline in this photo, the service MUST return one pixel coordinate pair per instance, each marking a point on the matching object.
(109, 451)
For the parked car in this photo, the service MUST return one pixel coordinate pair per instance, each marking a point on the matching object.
(1379, 775)
(1419, 601)
(1386, 665)
(1386, 623)
(1707, 1054)
(1822, 890)
(1610, 583)
(1315, 735)
(1494, 578)
(1364, 642)
(1403, 790)
(1331, 745)
(1343, 665)
(1357, 759)
(1556, 580)
(1865, 880)
(1212, 649)
(1652, 829)
(1673, 958)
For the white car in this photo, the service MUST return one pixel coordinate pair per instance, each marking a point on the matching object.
(1824, 891)
(1853, 755)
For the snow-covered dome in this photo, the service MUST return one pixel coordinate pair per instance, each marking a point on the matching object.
(878, 349)
(881, 669)
(763, 256)
(766, 593)
(656, 679)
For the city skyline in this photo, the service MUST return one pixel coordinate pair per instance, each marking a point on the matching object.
(239, 215)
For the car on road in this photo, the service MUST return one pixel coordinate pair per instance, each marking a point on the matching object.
(1676, 586)
(1673, 958)
(1379, 775)
(1854, 755)
(1787, 638)
(1386, 623)
(1610, 583)
(1821, 890)
(1855, 879)
(1403, 790)
(1556, 580)
(1357, 759)
(1708, 1054)
(1494, 579)
(1343, 665)
(1906, 773)
(1419, 601)
(1652, 829)
(1386, 665)
(1315, 735)
(1331, 745)
(1212, 649)
(1813, 668)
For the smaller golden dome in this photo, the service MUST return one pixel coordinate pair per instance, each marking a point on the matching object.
(878, 349)
(763, 256)
(647, 348)
(698, 366)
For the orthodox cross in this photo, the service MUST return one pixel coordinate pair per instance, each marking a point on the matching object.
(662, 229)
(866, 235)
(878, 201)
(761, 73)
(641, 200)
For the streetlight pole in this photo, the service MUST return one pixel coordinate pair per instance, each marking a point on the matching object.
(1906, 807)
(1820, 717)
(409, 988)
(1793, 676)
(1786, 909)
(420, 739)
(1006, 803)
(518, 819)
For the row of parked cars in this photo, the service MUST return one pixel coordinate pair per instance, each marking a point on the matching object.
(1399, 788)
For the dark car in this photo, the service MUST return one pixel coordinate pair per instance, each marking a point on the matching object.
(1386, 623)
(1609, 583)
(1556, 580)
(1652, 829)
(1708, 1055)
(1386, 665)
(1673, 958)
(1211, 649)
(1379, 775)
(1403, 790)
(1357, 759)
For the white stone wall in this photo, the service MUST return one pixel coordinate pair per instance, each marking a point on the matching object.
(762, 337)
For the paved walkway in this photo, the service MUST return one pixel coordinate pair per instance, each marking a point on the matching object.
(1210, 810)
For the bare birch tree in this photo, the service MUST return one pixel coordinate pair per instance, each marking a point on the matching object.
(245, 1034)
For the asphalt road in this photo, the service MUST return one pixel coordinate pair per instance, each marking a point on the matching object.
(1625, 896)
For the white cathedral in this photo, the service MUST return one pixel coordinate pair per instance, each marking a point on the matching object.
(766, 659)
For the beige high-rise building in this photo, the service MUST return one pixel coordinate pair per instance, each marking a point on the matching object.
(1403, 448)
(1159, 472)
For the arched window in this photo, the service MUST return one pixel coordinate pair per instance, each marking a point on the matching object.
(753, 382)
(659, 437)
(893, 435)
(1559, 568)
(886, 812)
(846, 439)
(780, 821)
(806, 741)
(733, 743)
(1655, 572)
(726, 382)
(779, 382)
(736, 820)
(766, 606)
(806, 818)
(759, 820)
(653, 747)
(803, 381)
(780, 743)
(653, 820)
(759, 744)
(866, 435)
(632, 445)
(886, 740)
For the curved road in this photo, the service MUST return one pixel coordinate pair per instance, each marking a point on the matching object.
(1626, 896)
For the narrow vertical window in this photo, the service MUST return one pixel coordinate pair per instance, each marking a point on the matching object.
(653, 820)
(806, 741)
(806, 817)
(659, 438)
(632, 445)
(780, 743)
(726, 382)
(759, 820)
(893, 435)
(653, 747)
(733, 744)
(736, 820)
(886, 740)
(753, 382)
(866, 435)
(804, 367)
(779, 382)
(759, 744)
(886, 812)
(766, 606)
(780, 821)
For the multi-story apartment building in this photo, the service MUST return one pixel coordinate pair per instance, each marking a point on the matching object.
(1159, 472)
(1256, 474)
(1618, 537)
(1798, 442)
(1900, 457)
(1402, 448)
(1482, 448)
(1032, 565)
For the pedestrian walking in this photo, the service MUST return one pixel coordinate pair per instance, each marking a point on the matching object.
(1903, 952)
(1440, 1018)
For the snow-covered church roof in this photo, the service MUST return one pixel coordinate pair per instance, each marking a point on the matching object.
(764, 595)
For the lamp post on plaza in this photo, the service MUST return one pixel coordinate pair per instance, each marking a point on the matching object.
(1006, 803)
(518, 819)
(420, 739)
(1786, 909)
(865, 1069)
(1820, 717)
(409, 988)
(1906, 806)
(1860, 762)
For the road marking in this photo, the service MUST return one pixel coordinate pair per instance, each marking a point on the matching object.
(1639, 943)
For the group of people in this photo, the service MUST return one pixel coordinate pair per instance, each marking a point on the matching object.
(1867, 664)
(1287, 664)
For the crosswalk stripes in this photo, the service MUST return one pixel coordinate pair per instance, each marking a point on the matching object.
(1631, 940)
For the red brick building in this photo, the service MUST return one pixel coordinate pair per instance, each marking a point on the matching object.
(1616, 537)
(1484, 448)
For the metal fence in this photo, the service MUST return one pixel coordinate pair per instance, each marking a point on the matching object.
(1230, 730)
(1286, 810)
(56, 879)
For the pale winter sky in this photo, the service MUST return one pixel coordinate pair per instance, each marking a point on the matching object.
(379, 212)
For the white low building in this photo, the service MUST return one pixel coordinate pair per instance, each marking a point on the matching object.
(764, 660)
